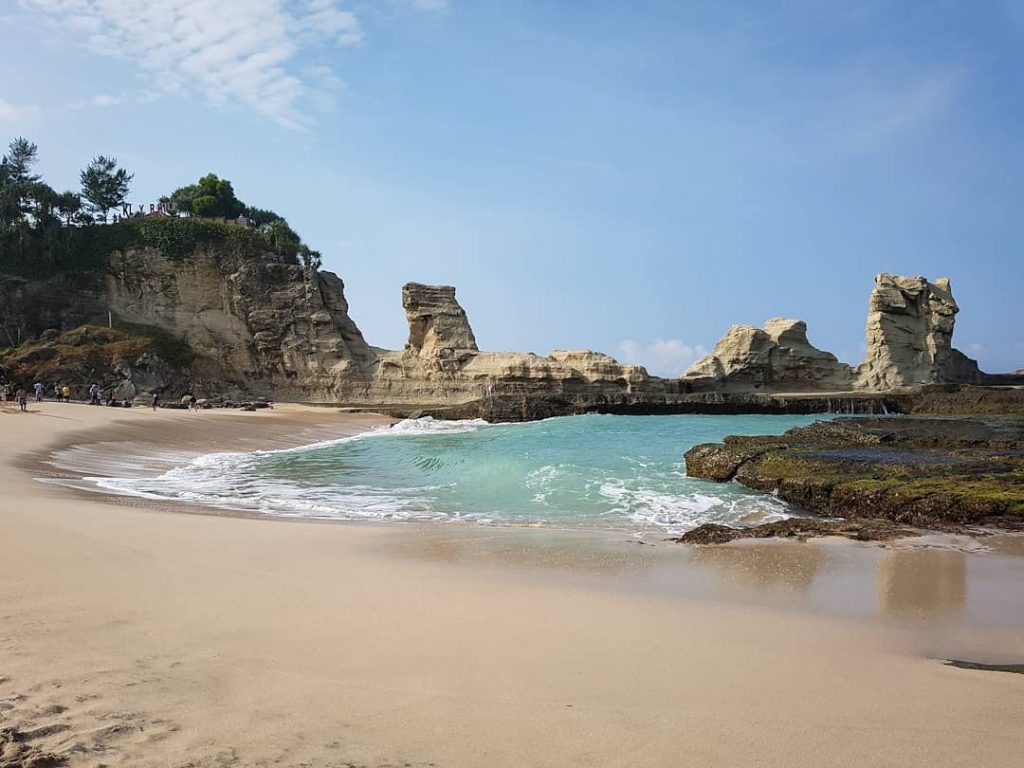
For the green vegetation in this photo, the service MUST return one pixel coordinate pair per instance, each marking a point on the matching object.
(88, 353)
(214, 197)
(104, 185)
(44, 232)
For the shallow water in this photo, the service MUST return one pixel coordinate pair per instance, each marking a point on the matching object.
(604, 472)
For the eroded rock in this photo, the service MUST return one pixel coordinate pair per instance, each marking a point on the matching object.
(910, 335)
(437, 322)
(777, 357)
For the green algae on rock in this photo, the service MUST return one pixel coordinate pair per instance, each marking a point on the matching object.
(928, 472)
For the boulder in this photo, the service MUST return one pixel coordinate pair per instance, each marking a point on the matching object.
(910, 335)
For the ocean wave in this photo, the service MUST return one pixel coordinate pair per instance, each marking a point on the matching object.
(678, 513)
(612, 472)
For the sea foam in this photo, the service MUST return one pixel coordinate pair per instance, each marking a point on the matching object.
(615, 472)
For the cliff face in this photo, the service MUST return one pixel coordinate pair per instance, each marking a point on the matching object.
(910, 335)
(256, 323)
(777, 357)
(262, 324)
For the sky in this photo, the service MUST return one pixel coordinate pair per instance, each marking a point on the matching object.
(632, 178)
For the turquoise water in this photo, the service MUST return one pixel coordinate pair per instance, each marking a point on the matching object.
(622, 472)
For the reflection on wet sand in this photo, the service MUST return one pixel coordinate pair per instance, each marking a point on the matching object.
(775, 566)
(827, 576)
(922, 582)
(753, 567)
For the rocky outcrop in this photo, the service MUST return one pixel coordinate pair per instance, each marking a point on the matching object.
(263, 324)
(909, 343)
(925, 472)
(441, 365)
(438, 325)
(260, 324)
(801, 529)
(910, 335)
(778, 357)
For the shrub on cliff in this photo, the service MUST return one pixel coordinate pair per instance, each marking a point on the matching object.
(90, 354)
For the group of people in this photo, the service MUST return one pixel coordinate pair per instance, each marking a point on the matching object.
(61, 392)
(97, 396)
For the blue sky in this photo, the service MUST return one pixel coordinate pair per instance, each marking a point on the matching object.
(627, 177)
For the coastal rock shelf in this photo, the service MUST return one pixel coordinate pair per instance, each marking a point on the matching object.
(929, 472)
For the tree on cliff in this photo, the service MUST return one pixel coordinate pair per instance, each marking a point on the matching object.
(21, 157)
(25, 200)
(16, 180)
(104, 185)
(212, 196)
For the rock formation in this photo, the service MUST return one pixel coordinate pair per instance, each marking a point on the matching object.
(909, 343)
(910, 334)
(777, 357)
(263, 324)
(442, 365)
(924, 471)
(436, 320)
(255, 323)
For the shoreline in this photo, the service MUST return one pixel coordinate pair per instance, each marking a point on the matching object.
(171, 639)
(294, 426)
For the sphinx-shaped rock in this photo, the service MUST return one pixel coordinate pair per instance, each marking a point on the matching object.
(910, 334)
(777, 357)
(442, 365)
(436, 320)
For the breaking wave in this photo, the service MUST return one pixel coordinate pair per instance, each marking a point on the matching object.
(615, 472)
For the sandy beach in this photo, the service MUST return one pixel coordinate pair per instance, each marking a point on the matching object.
(137, 634)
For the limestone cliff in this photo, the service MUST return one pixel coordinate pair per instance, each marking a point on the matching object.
(910, 335)
(253, 322)
(441, 364)
(778, 357)
(264, 324)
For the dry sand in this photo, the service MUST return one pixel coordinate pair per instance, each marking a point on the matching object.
(133, 636)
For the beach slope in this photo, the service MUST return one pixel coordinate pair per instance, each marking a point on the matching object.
(144, 636)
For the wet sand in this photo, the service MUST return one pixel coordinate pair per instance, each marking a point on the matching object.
(132, 634)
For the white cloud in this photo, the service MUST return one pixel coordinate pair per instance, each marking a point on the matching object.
(17, 113)
(99, 100)
(661, 358)
(229, 53)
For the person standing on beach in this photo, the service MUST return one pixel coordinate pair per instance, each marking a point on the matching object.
(156, 400)
(193, 404)
(39, 391)
(66, 392)
(56, 392)
(22, 399)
